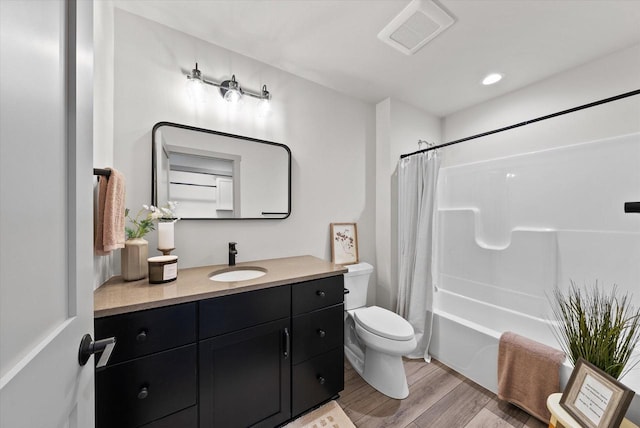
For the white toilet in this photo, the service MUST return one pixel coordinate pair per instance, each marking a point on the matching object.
(375, 339)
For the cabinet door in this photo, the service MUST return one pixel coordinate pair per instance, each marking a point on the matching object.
(245, 377)
(225, 193)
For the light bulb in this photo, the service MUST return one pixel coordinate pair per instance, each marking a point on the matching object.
(264, 107)
(231, 91)
(232, 96)
(195, 86)
(195, 89)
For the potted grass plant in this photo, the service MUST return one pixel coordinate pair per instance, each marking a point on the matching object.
(601, 327)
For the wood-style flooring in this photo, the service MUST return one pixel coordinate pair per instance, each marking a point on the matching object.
(438, 398)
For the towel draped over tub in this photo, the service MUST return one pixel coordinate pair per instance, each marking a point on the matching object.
(528, 372)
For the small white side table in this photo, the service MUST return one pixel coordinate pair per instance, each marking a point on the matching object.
(560, 417)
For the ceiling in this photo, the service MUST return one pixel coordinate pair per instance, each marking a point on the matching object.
(334, 42)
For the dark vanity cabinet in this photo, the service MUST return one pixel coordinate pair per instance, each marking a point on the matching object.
(251, 359)
(318, 339)
(245, 359)
(151, 377)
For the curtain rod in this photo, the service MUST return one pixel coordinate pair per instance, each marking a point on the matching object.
(527, 122)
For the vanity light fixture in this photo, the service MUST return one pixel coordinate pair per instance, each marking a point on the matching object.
(230, 90)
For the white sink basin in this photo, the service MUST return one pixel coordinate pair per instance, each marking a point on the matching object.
(242, 273)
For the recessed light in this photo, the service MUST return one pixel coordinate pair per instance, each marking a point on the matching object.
(492, 78)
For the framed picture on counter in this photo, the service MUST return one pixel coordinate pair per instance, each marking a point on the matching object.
(594, 398)
(344, 243)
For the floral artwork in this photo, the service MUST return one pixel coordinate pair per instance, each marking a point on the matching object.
(344, 243)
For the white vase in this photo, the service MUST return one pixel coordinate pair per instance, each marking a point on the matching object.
(133, 259)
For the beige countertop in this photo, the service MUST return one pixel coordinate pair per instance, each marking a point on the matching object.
(117, 296)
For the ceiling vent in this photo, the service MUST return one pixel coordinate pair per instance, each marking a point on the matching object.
(420, 22)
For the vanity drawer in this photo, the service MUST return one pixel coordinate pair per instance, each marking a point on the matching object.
(145, 332)
(145, 389)
(311, 295)
(317, 332)
(317, 380)
(225, 314)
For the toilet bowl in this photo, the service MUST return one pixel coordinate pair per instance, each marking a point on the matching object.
(375, 338)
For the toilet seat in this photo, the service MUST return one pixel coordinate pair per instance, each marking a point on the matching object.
(384, 323)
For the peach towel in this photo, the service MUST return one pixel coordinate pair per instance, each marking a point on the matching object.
(528, 372)
(109, 226)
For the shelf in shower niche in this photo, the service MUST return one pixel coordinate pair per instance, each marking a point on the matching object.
(474, 227)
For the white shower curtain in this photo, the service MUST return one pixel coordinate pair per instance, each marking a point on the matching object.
(417, 179)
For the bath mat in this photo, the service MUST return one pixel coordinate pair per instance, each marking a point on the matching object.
(329, 415)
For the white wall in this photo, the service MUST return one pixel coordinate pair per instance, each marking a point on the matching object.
(103, 266)
(399, 126)
(611, 75)
(331, 137)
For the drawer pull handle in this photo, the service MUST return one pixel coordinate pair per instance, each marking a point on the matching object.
(322, 333)
(320, 293)
(142, 336)
(143, 393)
(321, 380)
(287, 343)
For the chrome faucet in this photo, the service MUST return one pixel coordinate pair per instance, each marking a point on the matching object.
(232, 253)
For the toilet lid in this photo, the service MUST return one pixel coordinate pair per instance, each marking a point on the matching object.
(384, 323)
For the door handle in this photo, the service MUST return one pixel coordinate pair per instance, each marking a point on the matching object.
(287, 343)
(88, 347)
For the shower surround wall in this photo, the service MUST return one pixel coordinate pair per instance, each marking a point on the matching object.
(511, 229)
(604, 77)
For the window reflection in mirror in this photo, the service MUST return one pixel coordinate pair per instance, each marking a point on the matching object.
(214, 175)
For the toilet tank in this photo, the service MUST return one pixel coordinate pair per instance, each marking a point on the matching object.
(357, 282)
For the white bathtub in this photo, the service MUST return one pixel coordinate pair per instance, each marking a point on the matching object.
(466, 333)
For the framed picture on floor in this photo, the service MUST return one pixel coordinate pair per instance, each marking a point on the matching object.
(344, 243)
(594, 398)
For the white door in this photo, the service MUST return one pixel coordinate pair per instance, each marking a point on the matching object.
(46, 299)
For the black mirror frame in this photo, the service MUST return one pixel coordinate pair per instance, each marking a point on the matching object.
(154, 190)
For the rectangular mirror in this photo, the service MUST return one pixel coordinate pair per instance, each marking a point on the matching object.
(214, 175)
